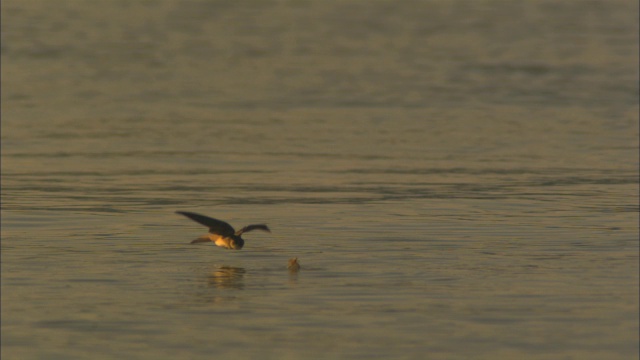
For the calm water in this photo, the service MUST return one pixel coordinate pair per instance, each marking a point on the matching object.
(459, 179)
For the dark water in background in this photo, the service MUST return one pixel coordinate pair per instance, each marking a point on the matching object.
(459, 179)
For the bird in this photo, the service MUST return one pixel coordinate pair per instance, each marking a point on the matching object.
(293, 265)
(221, 233)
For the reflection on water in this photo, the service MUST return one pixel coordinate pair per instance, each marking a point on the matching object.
(227, 277)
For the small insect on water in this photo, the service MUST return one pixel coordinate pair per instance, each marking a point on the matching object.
(293, 265)
(221, 233)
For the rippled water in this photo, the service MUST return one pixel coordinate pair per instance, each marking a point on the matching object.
(459, 179)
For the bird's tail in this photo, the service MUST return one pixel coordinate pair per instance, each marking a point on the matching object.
(203, 238)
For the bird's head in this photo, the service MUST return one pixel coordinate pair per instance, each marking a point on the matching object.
(236, 242)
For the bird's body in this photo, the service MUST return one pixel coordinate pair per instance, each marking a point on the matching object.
(221, 233)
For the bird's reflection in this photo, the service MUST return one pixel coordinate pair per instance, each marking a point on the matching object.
(227, 277)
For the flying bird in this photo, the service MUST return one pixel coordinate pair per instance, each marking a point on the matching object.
(221, 233)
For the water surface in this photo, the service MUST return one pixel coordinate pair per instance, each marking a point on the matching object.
(459, 179)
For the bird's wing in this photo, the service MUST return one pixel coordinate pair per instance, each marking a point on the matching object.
(248, 228)
(215, 226)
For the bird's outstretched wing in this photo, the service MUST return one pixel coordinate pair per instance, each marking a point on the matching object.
(248, 228)
(215, 226)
